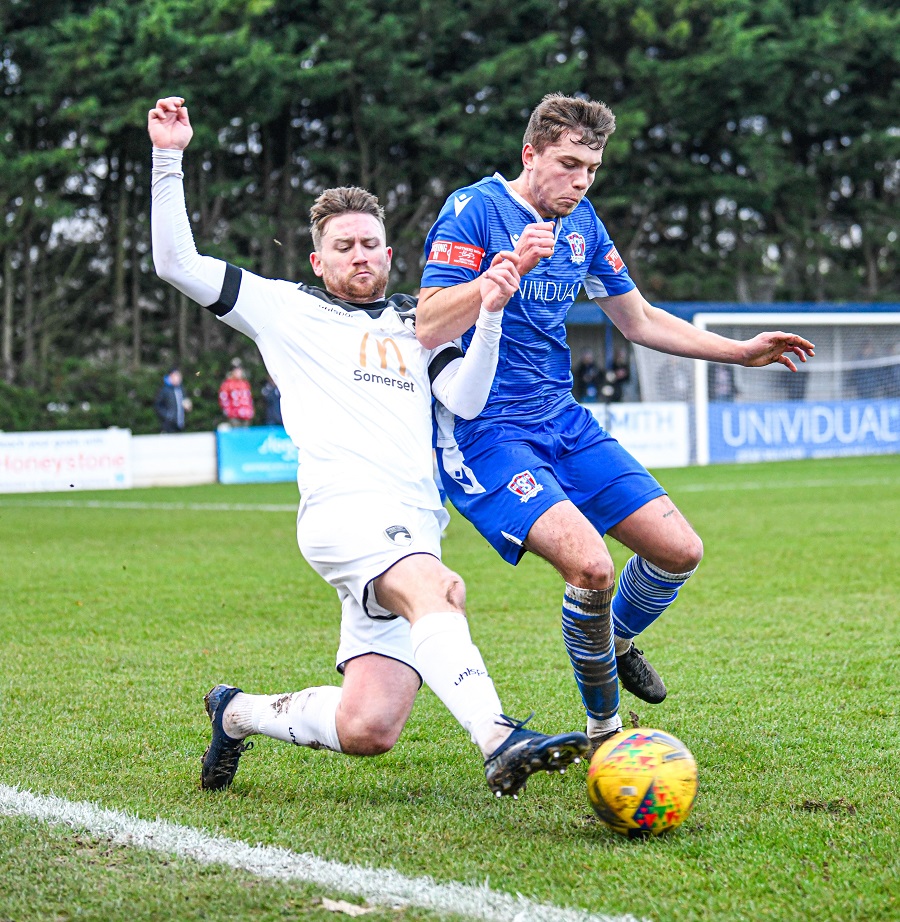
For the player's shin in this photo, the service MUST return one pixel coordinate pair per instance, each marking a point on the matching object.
(587, 633)
(453, 669)
(645, 592)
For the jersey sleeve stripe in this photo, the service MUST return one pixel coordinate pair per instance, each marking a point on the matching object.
(231, 286)
(442, 360)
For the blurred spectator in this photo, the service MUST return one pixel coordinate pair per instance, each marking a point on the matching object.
(794, 382)
(865, 378)
(615, 378)
(170, 403)
(272, 397)
(235, 397)
(721, 382)
(673, 379)
(587, 378)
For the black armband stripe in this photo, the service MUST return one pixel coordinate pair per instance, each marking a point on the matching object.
(442, 360)
(231, 285)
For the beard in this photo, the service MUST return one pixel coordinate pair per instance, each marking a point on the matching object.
(359, 290)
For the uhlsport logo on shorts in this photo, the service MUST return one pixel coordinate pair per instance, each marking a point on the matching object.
(382, 346)
(524, 486)
(399, 535)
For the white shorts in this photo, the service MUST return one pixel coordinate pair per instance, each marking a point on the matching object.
(350, 541)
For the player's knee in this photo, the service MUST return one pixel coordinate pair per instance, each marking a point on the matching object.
(370, 735)
(453, 590)
(685, 556)
(594, 573)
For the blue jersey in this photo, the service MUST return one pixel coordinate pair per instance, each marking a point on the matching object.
(534, 372)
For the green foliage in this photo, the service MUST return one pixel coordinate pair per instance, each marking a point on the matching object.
(756, 153)
(85, 394)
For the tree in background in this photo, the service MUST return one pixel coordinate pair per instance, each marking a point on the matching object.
(756, 155)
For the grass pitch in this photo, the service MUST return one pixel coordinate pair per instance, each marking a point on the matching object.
(781, 658)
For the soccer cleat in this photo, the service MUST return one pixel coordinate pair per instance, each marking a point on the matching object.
(597, 741)
(639, 677)
(220, 761)
(525, 752)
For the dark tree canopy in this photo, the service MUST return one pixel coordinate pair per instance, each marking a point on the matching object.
(757, 154)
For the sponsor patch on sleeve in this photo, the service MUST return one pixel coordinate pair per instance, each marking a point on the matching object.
(615, 261)
(450, 253)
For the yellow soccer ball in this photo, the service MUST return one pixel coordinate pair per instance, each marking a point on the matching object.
(642, 782)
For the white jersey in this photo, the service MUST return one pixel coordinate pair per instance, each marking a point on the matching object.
(356, 394)
(356, 385)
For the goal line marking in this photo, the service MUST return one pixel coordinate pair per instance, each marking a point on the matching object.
(377, 887)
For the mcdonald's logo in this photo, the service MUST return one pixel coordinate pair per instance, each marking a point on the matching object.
(382, 346)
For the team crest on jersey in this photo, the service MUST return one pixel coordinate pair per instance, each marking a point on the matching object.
(615, 261)
(524, 486)
(576, 242)
(399, 535)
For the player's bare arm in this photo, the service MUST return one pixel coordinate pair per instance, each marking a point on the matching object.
(169, 125)
(642, 323)
(444, 314)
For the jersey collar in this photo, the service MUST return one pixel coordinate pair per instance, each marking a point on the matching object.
(557, 222)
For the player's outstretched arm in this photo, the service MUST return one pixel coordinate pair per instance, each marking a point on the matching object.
(175, 256)
(642, 323)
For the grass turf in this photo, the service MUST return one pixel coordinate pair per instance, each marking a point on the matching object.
(780, 656)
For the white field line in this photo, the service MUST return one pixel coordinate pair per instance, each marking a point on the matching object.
(141, 506)
(137, 505)
(377, 887)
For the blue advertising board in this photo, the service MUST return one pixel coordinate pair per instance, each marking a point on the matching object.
(817, 429)
(257, 454)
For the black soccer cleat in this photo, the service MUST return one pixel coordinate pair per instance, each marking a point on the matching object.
(598, 740)
(639, 677)
(220, 761)
(525, 752)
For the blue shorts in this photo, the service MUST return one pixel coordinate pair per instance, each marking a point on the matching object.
(504, 480)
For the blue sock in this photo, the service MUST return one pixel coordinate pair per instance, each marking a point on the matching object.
(587, 633)
(645, 592)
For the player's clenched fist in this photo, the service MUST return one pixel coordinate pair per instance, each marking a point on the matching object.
(168, 124)
(500, 282)
(535, 243)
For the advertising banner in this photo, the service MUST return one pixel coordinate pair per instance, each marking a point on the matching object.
(822, 429)
(90, 459)
(258, 454)
(657, 434)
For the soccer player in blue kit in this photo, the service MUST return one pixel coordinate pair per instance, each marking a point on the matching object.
(535, 471)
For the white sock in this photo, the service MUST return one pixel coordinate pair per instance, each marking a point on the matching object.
(597, 729)
(453, 669)
(623, 645)
(304, 718)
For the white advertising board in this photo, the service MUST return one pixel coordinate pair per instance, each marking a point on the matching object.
(91, 459)
(657, 434)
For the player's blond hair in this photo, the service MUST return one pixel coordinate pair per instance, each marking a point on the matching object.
(342, 200)
(591, 121)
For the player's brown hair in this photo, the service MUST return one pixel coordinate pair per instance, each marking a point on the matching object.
(342, 200)
(557, 113)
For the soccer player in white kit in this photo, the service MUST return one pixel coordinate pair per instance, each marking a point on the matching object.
(356, 393)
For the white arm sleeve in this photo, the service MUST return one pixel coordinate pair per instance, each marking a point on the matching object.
(464, 385)
(175, 256)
